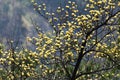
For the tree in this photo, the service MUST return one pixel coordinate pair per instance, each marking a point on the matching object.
(16, 64)
(80, 44)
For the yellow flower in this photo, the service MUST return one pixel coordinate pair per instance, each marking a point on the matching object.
(69, 24)
(22, 73)
(35, 4)
(119, 3)
(49, 41)
(43, 4)
(88, 5)
(69, 2)
(92, 1)
(45, 55)
(104, 1)
(92, 6)
(39, 9)
(70, 54)
(67, 6)
(32, 1)
(28, 74)
(99, 2)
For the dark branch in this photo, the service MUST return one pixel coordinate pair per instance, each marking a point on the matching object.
(80, 56)
(94, 72)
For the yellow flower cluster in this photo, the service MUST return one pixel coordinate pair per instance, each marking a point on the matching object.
(14, 64)
(71, 30)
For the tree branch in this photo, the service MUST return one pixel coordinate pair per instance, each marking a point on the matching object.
(94, 72)
(80, 56)
(104, 23)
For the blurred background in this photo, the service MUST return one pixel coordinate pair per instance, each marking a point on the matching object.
(17, 16)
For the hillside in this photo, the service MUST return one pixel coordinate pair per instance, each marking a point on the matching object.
(15, 19)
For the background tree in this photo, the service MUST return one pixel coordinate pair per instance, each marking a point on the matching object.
(17, 64)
